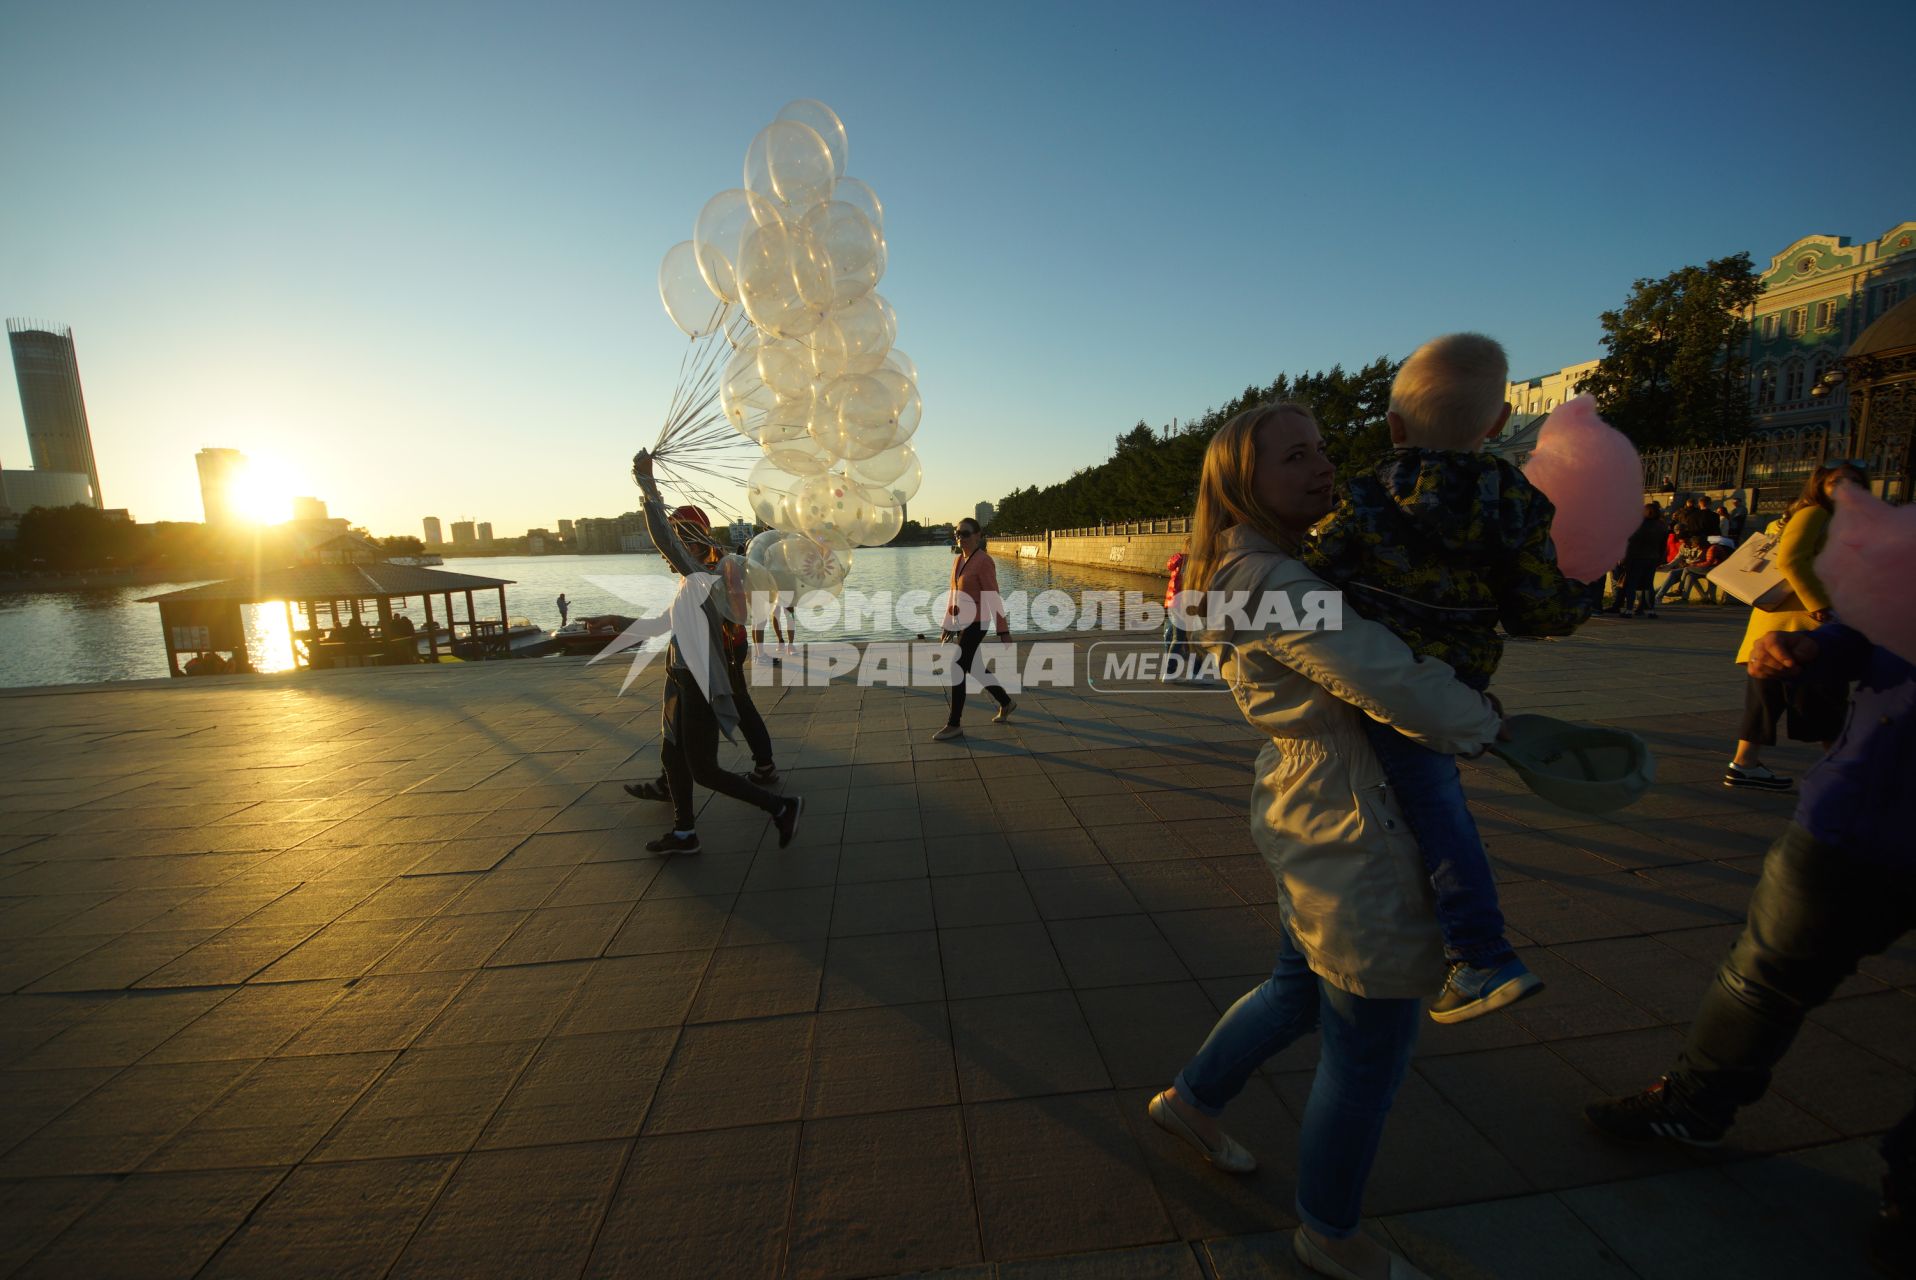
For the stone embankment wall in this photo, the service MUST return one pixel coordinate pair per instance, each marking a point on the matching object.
(1143, 553)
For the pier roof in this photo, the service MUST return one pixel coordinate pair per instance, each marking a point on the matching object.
(332, 582)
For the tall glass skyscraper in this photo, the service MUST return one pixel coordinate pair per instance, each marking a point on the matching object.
(49, 375)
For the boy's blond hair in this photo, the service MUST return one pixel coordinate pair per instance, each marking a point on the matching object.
(1450, 393)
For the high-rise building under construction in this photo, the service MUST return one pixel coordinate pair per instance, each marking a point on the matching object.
(49, 375)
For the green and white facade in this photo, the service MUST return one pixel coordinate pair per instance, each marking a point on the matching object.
(1818, 295)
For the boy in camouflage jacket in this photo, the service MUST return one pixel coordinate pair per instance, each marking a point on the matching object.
(1442, 543)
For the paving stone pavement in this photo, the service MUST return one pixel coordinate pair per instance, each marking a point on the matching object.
(367, 973)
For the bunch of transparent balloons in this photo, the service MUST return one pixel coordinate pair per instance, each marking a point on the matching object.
(814, 381)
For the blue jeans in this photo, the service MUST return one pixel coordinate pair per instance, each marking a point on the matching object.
(1175, 640)
(1367, 1048)
(1431, 794)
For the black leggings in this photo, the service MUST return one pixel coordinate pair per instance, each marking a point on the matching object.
(691, 754)
(968, 641)
(1808, 710)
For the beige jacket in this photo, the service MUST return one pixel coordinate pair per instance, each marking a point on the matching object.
(1351, 883)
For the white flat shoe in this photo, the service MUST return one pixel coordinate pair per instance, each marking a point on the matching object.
(1317, 1260)
(1229, 1155)
(947, 733)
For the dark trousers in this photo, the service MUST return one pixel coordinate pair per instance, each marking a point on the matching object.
(690, 753)
(1638, 593)
(1815, 913)
(1808, 709)
(750, 722)
(968, 641)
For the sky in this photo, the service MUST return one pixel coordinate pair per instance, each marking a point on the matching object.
(408, 253)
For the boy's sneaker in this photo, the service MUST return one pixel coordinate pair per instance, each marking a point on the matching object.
(674, 842)
(1756, 777)
(1472, 992)
(654, 791)
(1653, 1114)
(786, 820)
(764, 775)
(1648, 613)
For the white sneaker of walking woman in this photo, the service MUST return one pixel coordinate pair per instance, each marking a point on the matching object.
(1360, 1258)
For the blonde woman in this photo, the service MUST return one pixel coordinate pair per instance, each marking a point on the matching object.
(1361, 951)
(1808, 710)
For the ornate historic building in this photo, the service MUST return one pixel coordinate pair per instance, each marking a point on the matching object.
(1818, 297)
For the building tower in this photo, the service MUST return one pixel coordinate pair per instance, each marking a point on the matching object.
(220, 470)
(49, 375)
(434, 537)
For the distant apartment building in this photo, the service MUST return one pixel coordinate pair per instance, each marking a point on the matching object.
(22, 491)
(220, 472)
(983, 513)
(538, 541)
(611, 536)
(462, 535)
(434, 536)
(59, 438)
(565, 528)
(1546, 391)
(485, 531)
(308, 509)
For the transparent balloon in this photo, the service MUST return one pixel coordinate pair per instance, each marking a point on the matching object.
(867, 408)
(823, 121)
(688, 300)
(882, 524)
(831, 509)
(856, 246)
(719, 231)
(896, 359)
(766, 489)
(910, 408)
(790, 163)
(899, 488)
(786, 366)
(862, 198)
(745, 591)
(784, 279)
(772, 551)
(800, 456)
(883, 467)
(854, 338)
(743, 396)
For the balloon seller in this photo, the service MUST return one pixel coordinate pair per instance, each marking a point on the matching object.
(701, 698)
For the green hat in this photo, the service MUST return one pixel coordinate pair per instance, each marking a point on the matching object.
(1577, 766)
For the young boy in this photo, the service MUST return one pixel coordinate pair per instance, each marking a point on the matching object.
(1441, 543)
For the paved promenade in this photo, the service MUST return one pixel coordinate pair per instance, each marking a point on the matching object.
(368, 973)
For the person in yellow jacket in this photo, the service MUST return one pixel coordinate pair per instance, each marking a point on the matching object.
(1808, 710)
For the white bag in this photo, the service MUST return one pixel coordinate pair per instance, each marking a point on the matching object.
(1752, 575)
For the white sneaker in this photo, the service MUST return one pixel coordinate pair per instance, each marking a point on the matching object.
(1755, 777)
(947, 733)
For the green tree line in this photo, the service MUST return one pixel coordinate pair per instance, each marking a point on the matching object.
(1155, 473)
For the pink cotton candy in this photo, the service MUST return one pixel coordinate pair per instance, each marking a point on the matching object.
(1865, 564)
(1591, 474)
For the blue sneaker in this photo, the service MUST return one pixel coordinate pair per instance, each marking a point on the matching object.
(1472, 992)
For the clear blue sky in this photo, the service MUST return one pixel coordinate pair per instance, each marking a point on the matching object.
(411, 249)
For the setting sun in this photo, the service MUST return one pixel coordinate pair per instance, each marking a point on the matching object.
(262, 492)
